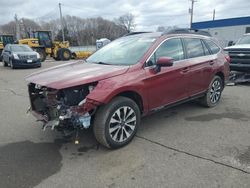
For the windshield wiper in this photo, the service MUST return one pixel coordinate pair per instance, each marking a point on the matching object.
(102, 63)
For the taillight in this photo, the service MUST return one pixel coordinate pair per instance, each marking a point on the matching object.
(228, 58)
(226, 53)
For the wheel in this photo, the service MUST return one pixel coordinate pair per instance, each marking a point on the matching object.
(56, 58)
(5, 64)
(116, 123)
(1, 57)
(11, 64)
(42, 53)
(213, 94)
(64, 54)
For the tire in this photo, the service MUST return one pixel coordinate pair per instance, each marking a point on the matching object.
(213, 95)
(120, 131)
(11, 64)
(42, 53)
(1, 57)
(5, 64)
(64, 54)
(56, 58)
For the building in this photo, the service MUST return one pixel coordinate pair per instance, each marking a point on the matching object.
(225, 30)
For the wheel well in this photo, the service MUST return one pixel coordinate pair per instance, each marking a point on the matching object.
(221, 75)
(135, 97)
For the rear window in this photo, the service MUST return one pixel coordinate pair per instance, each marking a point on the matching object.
(213, 47)
(194, 47)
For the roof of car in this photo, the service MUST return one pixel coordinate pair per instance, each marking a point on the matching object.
(160, 34)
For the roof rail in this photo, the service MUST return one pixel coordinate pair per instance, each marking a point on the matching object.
(187, 31)
(136, 33)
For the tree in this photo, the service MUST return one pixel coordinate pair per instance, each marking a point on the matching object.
(127, 22)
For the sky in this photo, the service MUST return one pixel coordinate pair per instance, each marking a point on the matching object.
(149, 14)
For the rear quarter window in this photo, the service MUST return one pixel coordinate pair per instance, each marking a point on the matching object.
(213, 47)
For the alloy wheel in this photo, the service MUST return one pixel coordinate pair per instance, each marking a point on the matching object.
(122, 124)
(215, 91)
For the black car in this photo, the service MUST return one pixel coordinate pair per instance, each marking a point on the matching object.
(17, 56)
(240, 54)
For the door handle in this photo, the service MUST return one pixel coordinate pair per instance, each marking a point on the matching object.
(211, 62)
(185, 70)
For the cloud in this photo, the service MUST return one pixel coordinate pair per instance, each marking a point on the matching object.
(149, 14)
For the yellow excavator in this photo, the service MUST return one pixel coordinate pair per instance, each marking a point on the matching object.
(5, 39)
(41, 42)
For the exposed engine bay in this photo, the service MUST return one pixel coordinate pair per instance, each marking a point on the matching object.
(65, 109)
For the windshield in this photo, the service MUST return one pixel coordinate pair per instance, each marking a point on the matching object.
(123, 51)
(244, 40)
(19, 48)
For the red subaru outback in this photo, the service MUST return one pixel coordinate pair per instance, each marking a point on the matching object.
(131, 77)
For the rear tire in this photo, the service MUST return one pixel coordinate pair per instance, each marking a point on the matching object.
(116, 123)
(213, 95)
(42, 54)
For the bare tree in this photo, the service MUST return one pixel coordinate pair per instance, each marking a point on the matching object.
(79, 31)
(127, 22)
(9, 28)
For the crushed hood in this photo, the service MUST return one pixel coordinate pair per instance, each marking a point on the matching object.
(74, 74)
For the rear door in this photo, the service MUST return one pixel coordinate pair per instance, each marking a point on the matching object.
(200, 65)
(169, 84)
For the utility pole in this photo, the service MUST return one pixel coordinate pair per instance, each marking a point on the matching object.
(214, 15)
(18, 36)
(61, 18)
(191, 12)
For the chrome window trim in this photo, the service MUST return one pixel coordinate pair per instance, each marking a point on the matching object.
(181, 37)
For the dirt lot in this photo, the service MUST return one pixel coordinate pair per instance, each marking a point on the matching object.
(186, 146)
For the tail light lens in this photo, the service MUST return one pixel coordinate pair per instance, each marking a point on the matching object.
(227, 57)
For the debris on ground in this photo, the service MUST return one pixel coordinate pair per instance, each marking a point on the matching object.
(238, 77)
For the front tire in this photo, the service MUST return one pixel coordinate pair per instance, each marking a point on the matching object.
(64, 54)
(213, 95)
(116, 123)
(5, 64)
(11, 64)
(42, 54)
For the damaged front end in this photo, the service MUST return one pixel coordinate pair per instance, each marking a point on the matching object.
(66, 110)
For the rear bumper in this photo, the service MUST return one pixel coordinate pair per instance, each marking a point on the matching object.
(23, 63)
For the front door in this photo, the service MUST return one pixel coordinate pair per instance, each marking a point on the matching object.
(169, 84)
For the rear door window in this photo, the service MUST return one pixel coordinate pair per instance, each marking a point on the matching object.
(213, 47)
(194, 47)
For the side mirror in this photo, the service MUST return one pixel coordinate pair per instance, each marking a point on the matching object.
(165, 62)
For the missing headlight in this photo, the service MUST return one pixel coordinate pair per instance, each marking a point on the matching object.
(76, 95)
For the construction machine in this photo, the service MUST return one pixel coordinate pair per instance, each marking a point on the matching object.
(41, 42)
(5, 39)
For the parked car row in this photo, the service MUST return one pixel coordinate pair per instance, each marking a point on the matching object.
(17, 56)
